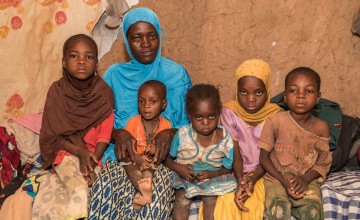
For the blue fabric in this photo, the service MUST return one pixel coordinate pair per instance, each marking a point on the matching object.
(126, 78)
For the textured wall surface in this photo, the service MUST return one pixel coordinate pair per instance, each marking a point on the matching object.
(212, 38)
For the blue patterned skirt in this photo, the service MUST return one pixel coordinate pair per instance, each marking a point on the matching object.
(112, 195)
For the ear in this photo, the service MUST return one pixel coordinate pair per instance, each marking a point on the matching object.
(164, 103)
(284, 94)
(63, 63)
(318, 98)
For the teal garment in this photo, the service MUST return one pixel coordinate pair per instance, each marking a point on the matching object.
(326, 110)
(126, 78)
(184, 138)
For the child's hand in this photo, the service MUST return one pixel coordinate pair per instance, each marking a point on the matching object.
(90, 178)
(185, 172)
(205, 175)
(291, 193)
(85, 158)
(298, 185)
(240, 197)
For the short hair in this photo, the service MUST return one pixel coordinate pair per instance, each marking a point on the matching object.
(202, 92)
(308, 71)
(156, 84)
(76, 38)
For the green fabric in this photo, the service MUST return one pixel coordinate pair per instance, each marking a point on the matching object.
(326, 110)
(279, 205)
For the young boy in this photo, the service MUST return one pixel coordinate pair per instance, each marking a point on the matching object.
(295, 151)
(144, 127)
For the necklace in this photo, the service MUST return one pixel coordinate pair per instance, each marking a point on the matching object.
(213, 139)
(311, 123)
(149, 135)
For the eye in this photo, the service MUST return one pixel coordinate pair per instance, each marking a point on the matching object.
(259, 93)
(292, 90)
(211, 117)
(141, 102)
(135, 37)
(310, 91)
(242, 92)
(153, 102)
(73, 56)
(197, 117)
(90, 57)
(152, 36)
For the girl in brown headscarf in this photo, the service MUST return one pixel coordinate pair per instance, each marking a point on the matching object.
(76, 128)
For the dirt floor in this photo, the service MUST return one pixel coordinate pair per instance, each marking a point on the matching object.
(212, 38)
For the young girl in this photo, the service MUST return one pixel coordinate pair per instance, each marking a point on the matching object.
(76, 129)
(203, 153)
(244, 118)
(151, 102)
(295, 151)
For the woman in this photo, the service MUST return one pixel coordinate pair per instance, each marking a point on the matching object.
(109, 195)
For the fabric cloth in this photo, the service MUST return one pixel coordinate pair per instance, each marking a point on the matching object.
(341, 195)
(17, 206)
(278, 205)
(113, 195)
(69, 113)
(100, 133)
(63, 195)
(246, 135)
(136, 129)
(188, 151)
(261, 70)
(326, 110)
(294, 151)
(226, 208)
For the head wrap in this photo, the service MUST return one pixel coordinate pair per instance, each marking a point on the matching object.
(69, 113)
(261, 70)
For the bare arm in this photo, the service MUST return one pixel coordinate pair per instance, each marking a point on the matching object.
(269, 167)
(162, 143)
(124, 144)
(238, 163)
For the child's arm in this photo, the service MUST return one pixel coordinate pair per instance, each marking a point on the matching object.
(238, 163)
(84, 156)
(99, 151)
(208, 174)
(269, 167)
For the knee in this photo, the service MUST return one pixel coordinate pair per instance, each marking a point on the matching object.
(279, 208)
(209, 201)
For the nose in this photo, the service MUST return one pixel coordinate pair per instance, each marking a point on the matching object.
(250, 98)
(205, 121)
(147, 104)
(301, 94)
(81, 61)
(145, 42)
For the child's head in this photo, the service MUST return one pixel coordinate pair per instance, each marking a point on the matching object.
(302, 89)
(203, 107)
(151, 99)
(141, 29)
(80, 56)
(253, 81)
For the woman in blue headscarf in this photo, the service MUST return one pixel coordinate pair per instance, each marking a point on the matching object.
(112, 194)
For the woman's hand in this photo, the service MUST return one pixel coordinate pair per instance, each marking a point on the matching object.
(162, 143)
(124, 144)
(185, 172)
(86, 158)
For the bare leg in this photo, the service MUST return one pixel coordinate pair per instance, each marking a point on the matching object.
(209, 206)
(181, 206)
(145, 184)
(134, 174)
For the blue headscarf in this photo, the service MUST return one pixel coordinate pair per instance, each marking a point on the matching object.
(126, 78)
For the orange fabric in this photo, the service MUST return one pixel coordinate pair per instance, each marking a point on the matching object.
(136, 129)
(100, 133)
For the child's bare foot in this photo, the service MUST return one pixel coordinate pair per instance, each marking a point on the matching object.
(139, 201)
(145, 187)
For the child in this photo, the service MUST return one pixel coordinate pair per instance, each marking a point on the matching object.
(203, 153)
(244, 118)
(76, 129)
(295, 151)
(151, 102)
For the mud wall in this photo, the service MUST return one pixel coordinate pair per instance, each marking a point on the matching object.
(212, 38)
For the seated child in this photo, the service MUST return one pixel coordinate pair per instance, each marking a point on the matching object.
(143, 127)
(295, 151)
(203, 153)
(76, 129)
(244, 118)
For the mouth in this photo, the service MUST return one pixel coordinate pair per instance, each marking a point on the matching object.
(148, 53)
(251, 107)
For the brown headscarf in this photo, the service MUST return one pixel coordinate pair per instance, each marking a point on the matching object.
(72, 107)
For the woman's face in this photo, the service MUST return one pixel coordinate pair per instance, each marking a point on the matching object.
(143, 42)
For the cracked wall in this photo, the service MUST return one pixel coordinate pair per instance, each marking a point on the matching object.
(212, 38)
